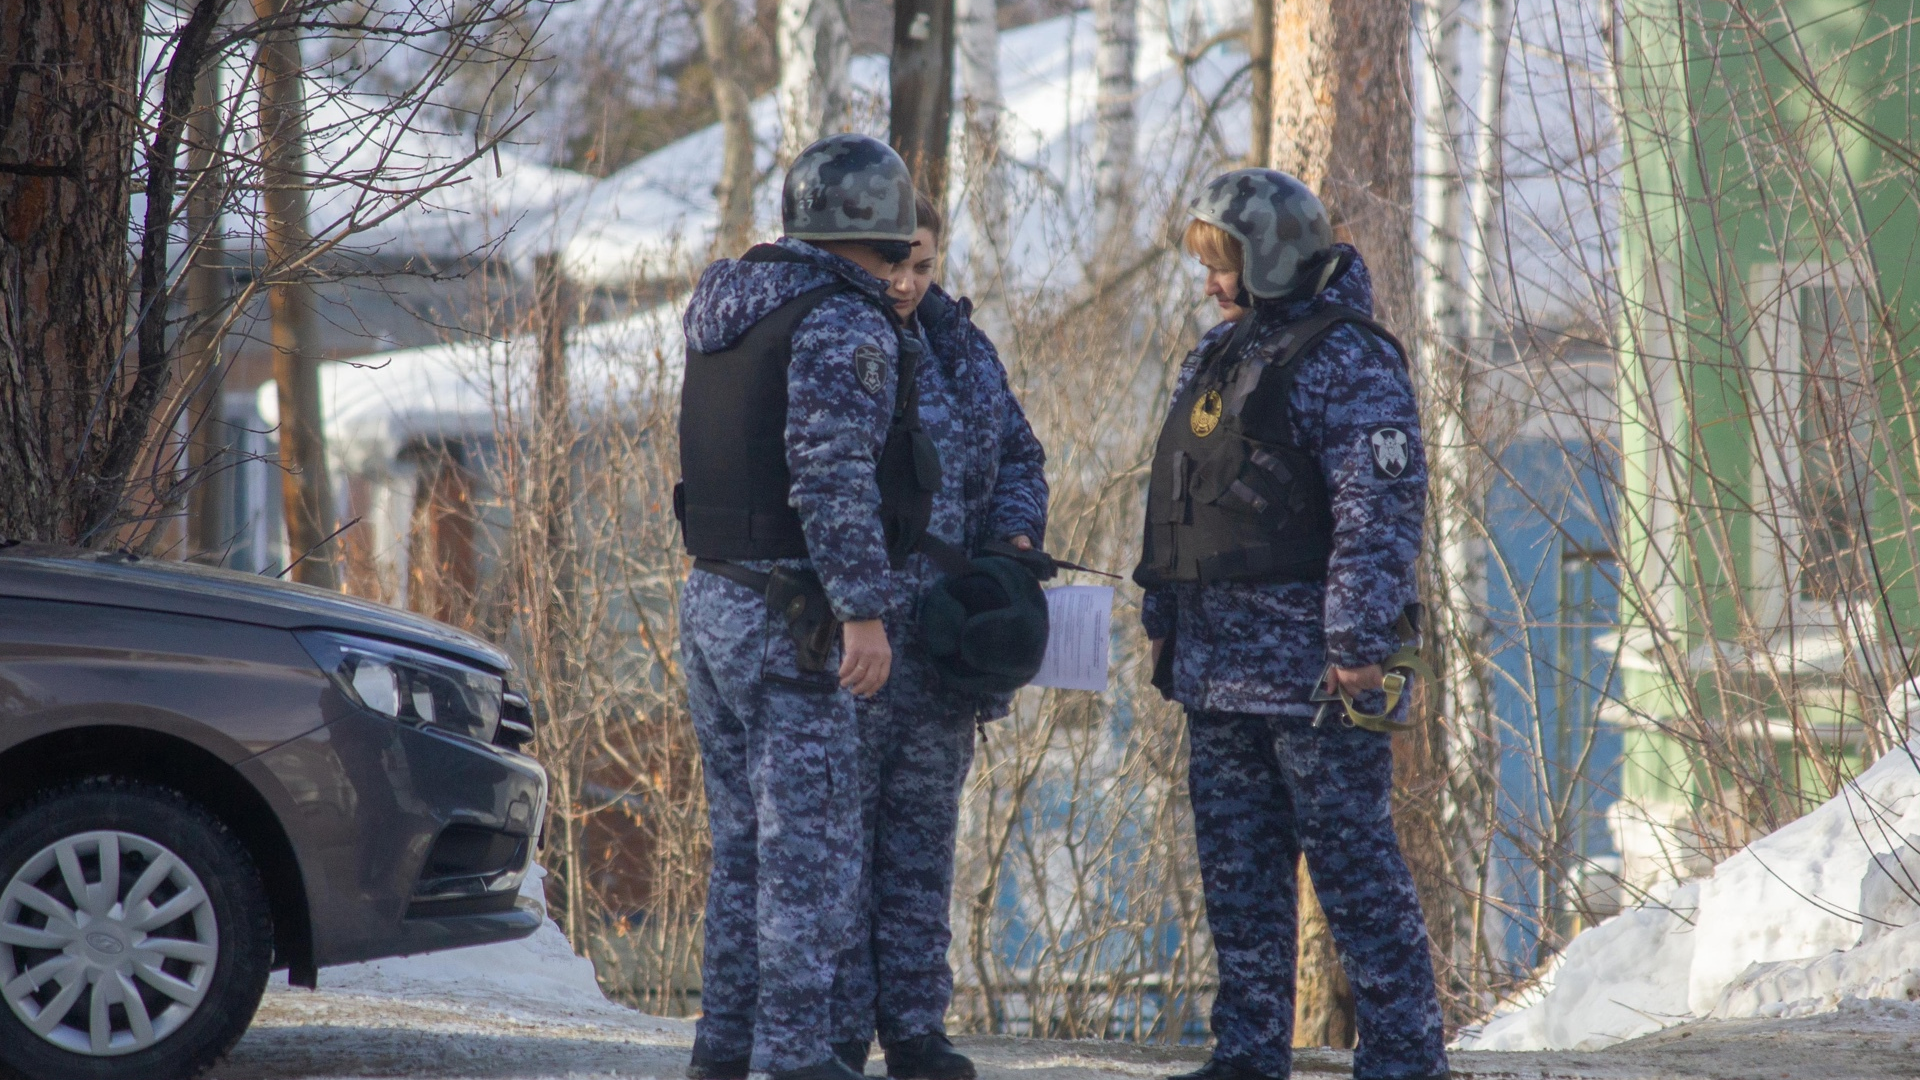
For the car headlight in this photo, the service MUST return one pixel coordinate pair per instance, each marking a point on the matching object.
(409, 685)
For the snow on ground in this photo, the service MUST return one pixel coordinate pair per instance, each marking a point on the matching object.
(1818, 913)
(531, 1010)
(539, 975)
(334, 1035)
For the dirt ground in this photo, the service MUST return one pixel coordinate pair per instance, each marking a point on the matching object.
(332, 1035)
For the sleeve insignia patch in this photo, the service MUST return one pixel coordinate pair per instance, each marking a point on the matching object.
(870, 367)
(1389, 446)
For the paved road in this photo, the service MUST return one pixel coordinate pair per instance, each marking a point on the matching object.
(332, 1035)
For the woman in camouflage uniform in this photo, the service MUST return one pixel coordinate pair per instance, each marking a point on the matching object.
(916, 734)
(1283, 519)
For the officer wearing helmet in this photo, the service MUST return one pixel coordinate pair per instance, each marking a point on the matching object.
(803, 485)
(1284, 514)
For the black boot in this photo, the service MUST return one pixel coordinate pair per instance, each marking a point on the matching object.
(927, 1057)
(704, 1066)
(831, 1069)
(1217, 1069)
(854, 1052)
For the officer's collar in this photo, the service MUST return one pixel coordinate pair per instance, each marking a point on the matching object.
(936, 307)
(841, 266)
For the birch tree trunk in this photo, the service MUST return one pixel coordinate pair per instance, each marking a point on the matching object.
(1343, 124)
(920, 113)
(67, 70)
(296, 362)
(977, 40)
(720, 35)
(1116, 25)
(811, 41)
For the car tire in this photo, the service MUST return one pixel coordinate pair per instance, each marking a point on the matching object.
(194, 948)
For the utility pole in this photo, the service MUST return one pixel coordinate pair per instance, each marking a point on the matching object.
(921, 113)
(1343, 124)
(296, 362)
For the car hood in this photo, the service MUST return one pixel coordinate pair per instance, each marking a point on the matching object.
(75, 575)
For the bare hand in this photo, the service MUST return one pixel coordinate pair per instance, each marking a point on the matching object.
(866, 659)
(1354, 680)
(1021, 542)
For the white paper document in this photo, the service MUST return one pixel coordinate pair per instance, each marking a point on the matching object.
(1079, 634)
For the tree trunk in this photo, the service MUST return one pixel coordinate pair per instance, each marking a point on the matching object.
(296, 362)
(1323, 1000)
(977, 37)
(720, 32)
(199, 347)
(554, 313)
(67, 72)
(813, 50)
(921, 112)
(1260, 62)
(1343, 124)
(1116, 25)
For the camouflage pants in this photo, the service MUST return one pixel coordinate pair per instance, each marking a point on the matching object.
(916, 748)
(780, 748)
(1265, 789)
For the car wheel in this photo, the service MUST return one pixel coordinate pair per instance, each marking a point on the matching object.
(135, 936)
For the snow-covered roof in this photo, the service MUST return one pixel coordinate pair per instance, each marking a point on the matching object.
(374, 406)
(656, 217)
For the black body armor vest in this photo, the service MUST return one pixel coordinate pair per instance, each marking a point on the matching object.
(732, 499)
(1232, 497)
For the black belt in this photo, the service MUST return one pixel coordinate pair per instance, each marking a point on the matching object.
(734, 572)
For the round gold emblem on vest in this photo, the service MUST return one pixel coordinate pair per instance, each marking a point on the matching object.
(1206, 414)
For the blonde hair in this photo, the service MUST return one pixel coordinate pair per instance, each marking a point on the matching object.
(1212, 245)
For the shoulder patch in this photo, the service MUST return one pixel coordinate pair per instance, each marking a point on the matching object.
(1389, 447)
(870, 367)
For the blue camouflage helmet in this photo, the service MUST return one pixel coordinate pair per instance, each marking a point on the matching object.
(1282, 226)
(848, 187)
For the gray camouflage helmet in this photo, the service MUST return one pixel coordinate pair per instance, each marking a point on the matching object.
(1282, 227)
(848, 187)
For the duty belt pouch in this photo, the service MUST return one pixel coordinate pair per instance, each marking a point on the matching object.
(1163, 667)
(798, 597)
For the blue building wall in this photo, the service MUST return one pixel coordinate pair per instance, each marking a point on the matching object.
(1551, 594)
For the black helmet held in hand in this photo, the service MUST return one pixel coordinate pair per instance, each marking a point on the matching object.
(986, 628)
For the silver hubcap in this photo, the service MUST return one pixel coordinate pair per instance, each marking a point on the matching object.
(107, 943)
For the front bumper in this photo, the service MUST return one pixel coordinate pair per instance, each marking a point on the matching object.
(409, 839)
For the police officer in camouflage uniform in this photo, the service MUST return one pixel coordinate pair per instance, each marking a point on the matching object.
(917, 733)
(788, 418)
(1283, 518)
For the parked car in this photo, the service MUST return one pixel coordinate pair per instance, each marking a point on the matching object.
(206, 776)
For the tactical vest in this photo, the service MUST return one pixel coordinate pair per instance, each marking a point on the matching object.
(1232, 497)
(732, 498)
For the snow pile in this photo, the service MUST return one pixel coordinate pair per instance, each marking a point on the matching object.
(1825, 909)
(540, 972)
